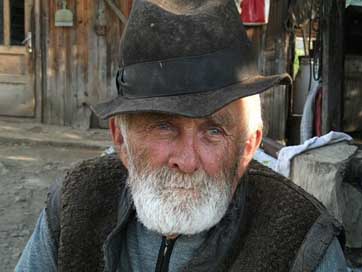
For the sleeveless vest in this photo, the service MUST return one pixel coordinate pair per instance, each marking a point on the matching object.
(279, 227)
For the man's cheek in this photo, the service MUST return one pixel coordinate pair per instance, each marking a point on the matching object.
(212, 160)
(157, 153)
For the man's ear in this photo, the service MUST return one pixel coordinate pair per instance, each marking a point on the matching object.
(115, 132)
(118, 141)
(250, 147)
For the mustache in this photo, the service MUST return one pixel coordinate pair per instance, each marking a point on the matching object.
(166, 178)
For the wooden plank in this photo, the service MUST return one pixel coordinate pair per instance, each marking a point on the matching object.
(54, 92)
(38, 57)
(352, 121)
(1, 22)
(43, 39)
(273, 59)
(15, 100)
(11, 78)
(12, 64)
(333, 65)
(47, 73)
(60, 72)
(28, 4)
(117, 11)
(100, 73)
(271, 147)
(28, 56)
(13, 50)
(80, 85)
(6, 22)
(67, 76)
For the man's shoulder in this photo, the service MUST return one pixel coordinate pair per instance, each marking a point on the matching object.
(277, 205)
(93, 185)
(83, 187)
(293, 228)
(98, 172)
(82, 208)
(266, 181)
(86, 176)
(282, 204)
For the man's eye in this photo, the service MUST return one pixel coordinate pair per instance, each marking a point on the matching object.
(163, 126)
(215, 131)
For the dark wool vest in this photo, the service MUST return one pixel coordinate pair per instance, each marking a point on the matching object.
(283, 228)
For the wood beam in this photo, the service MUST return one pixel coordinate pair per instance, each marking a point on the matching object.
(28, 4)
(38, 71)
(117, 11)
(271, 147)
(333, 64)
(7, 22)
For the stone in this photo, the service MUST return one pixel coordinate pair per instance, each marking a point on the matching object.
(25, 233)
(20, 199)
(3, 169)
(354, 175)
(321, 172)
(352, 216)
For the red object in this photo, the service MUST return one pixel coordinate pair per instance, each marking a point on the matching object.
(255, 12)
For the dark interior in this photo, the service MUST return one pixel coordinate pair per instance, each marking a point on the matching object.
(17, 22)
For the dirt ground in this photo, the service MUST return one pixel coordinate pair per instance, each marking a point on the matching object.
(26, 171)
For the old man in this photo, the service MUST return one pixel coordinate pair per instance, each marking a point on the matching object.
(182, 192)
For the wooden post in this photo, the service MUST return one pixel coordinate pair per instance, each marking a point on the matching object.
(117, 11)
(333, 64)
(44, 24)
(38, 60)
(7, 22)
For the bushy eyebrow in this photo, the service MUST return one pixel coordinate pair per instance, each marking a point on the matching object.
(224, 119)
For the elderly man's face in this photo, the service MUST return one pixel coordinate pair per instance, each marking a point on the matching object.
(189, 167)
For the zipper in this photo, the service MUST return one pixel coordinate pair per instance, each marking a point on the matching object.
(164, 254)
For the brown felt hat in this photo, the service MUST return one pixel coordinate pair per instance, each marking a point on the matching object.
(186, 57)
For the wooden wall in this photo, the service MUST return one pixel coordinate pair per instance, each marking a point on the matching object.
(79, 62)
(352, 118)
(272, 45)
(333, 64)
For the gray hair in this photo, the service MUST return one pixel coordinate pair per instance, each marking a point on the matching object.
(252, 108)
(122, 121)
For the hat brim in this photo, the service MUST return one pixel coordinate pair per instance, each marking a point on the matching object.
(190, 105)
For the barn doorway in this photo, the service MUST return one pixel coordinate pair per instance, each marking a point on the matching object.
(17, 98)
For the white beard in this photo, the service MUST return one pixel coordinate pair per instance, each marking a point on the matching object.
(169, 202)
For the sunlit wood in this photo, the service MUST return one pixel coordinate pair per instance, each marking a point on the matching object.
(6, 22)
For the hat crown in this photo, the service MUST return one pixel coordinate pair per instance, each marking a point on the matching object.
(166, 29)
(183, 6)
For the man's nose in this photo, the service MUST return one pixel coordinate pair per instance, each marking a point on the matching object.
(184, 157)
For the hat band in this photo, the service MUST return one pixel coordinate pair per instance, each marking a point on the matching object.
(185, 75)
